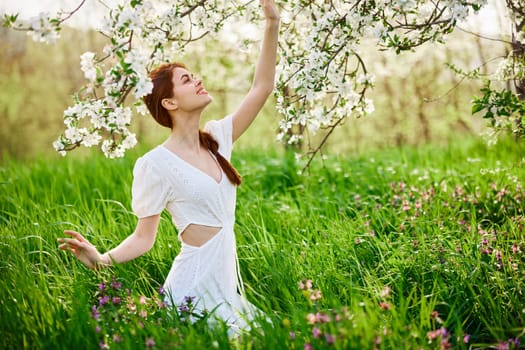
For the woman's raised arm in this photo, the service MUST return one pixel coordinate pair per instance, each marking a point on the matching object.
(264, 78)
(135, 245)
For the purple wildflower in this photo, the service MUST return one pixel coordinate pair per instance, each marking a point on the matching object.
(161, 291)
(95, 313)
(516, 342)
(184, 308)
(292, 335)
(189, 299)
(101, 286)
(308, 346)
(116, 285)
(103, 300)
(150, 342)
(316, 332)
(116, 300)
(330, 339)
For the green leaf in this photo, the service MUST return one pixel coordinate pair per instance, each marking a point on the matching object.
(476, 107)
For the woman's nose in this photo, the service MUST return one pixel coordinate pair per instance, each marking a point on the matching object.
(198, 82)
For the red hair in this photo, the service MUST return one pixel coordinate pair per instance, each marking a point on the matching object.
(163, 88)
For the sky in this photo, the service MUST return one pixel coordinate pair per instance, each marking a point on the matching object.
(487, 22)
(89, 15)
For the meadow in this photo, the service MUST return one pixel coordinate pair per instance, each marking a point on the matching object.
(417, 248)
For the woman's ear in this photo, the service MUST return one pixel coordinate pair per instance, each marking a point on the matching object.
(169, 104)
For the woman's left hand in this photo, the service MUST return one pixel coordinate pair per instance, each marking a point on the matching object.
(270, 10)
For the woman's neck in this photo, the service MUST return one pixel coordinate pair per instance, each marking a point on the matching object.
(185, 134)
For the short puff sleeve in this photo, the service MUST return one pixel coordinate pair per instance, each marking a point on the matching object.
(222, 131)
(149, 192)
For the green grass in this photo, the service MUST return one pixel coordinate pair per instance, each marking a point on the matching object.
(400, 243)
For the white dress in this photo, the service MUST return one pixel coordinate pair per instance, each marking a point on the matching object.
(210, 273)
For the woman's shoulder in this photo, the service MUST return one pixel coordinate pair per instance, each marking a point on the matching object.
(218, 125)
(153, 158)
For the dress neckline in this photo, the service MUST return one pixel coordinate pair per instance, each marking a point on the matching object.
(191, 166)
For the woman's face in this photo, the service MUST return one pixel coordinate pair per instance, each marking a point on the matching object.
(188, 92)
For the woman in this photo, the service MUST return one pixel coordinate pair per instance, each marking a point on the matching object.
(190, 175)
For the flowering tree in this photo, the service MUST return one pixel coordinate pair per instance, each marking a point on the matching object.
(503, 103)
(322, 77)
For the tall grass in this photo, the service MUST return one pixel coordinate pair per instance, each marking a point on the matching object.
(408, 248)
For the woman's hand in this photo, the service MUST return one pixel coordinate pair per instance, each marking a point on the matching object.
(270, 10)
(81, 248)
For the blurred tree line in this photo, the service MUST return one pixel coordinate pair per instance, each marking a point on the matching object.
(418, 99)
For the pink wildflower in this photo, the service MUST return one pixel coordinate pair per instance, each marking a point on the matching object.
(322, 317)
(150, 342)
(316, 332)
(385, 292)
(311, 318)
(330, 339)
(503, 345)
(385, 306)
(308, 284)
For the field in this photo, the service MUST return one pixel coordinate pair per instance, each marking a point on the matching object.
(403, 248)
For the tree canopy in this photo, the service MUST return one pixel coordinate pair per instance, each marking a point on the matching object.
(322, 76)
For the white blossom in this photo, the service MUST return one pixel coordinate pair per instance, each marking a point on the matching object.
(130, 141)
(59, 147)
(91, 139)
(458, 12)
(141, 108)
(41, 28)
(87, 65)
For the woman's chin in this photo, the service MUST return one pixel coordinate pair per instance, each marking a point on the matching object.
(208, 100)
